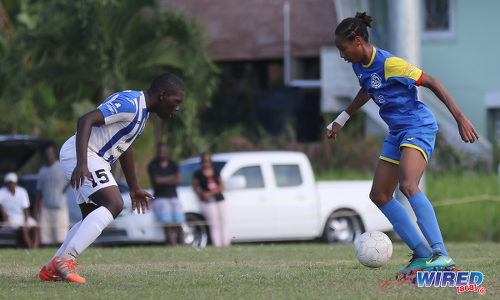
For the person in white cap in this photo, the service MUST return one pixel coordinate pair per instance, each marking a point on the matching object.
(14, 204)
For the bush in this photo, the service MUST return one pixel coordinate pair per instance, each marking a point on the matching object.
(472, 221)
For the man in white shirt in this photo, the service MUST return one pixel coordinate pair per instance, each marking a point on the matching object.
(14, 204)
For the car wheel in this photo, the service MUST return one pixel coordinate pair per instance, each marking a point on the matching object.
(195, 232)
(342, 227)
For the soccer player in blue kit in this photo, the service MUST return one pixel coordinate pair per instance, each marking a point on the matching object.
(103, 136)
(391, 82)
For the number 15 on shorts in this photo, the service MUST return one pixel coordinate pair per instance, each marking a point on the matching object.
(100, 177)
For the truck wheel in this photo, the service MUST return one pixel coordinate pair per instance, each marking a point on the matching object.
(195, 233)
(340, 228)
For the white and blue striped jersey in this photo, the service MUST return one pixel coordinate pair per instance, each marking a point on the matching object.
(125, 116)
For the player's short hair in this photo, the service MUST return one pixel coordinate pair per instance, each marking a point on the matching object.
(47, 145)
(167, 82)
(161, 144)
(358, 26)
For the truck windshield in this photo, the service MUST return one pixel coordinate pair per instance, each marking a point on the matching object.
(187, 170)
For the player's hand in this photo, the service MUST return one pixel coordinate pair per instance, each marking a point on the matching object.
(332, 134)
(467, 130)
(78, 176)
(206, 196)
(140, 200)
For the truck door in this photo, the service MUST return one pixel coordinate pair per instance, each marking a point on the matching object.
(246, 205)
(293, 201)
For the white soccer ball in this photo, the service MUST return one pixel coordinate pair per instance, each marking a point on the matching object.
(373, 249)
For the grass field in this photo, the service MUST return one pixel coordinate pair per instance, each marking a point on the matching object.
(465, 203)
(281, 271)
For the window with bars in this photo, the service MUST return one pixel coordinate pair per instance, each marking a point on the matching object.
(438, 19)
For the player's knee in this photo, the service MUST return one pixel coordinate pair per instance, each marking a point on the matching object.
(115, 207)
(378, 198)
(408, 188)
(119, 207)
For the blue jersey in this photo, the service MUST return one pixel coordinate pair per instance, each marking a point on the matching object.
(125, 116)
(391, 82)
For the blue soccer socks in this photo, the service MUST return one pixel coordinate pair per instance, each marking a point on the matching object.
(427, 221)
(404, 227)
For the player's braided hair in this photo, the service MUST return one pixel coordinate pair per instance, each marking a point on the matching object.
(351, 27)
(167, 82)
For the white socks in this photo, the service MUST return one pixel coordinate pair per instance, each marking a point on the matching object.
(89, 230)
(68, 238)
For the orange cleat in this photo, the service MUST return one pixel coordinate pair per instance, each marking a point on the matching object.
(47, 274)
(66, 269)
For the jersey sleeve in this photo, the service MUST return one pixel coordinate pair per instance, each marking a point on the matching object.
(118, 108)
(396, 68)
(25, 199)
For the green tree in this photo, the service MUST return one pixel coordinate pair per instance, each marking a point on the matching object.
(72, 54)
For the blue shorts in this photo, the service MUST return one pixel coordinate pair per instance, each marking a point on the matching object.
(422, 139)
(168, 210)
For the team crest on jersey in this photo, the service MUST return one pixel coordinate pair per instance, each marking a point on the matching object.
(380, 99)
(376, 80)
(113, 107)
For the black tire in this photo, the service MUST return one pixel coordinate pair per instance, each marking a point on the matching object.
(342, 227)
(196, 234)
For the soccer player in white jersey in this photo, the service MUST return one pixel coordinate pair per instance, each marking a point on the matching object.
(103, 136)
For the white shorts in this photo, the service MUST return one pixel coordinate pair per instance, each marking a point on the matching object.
(19, 221)
(99, 169)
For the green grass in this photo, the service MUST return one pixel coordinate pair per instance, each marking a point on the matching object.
(460, 220)
(477, 220)
(455, 185)
(282, 271)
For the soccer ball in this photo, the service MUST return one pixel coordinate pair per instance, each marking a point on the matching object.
(373, 249)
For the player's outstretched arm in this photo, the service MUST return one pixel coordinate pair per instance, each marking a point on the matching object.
(83, 130)
(465, 127)
(360, 100)
(138, 196)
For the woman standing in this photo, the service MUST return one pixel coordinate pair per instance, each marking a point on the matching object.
(208, 185)
(391, 83)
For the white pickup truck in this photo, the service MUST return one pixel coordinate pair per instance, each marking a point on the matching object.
(270, 196)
